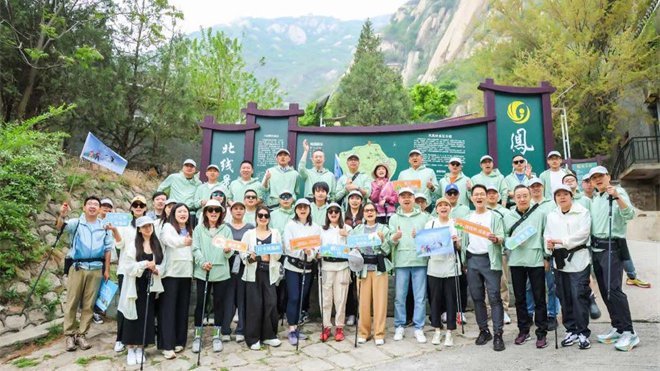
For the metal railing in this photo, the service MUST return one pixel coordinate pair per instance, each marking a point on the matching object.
(636, 151)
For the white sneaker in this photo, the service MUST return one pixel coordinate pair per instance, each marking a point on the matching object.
(350, 321)
(610, 337)
(507, 319)
(235, 319)
(178, 349)
(436, 337)
(419, 335)
(196, 344)
(627, 341)
(449, 339)
(569, 339)
(119, 347)
(256, 346)
(169, 354)
(443, 317)
(131, 360)
(463, 318)
(226, 338)
(240, 338)
(273, 342)
(380, 341)
(217, 345)
(139, 357)
(361, 340)
(398, 333)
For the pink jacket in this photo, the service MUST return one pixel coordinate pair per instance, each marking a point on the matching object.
(385, 192)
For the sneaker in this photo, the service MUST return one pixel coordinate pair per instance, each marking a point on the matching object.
(70, 343)
(240, 338)
(339, 334)
(594, 311)
(443, 317)
(541, 342)
(226, 338)
(139, 356)
(419, 335)
(507, 319)
(169, 354)
(380, 342)
(398, 333)
(350, 321)
(325, 334)
(484, 337)
(81, 340)
(583, 342)
(552, 323)
(522, 338)
(498, 343)
(131, 358)
(273, 342)
(119, 346)
(627, 341)
(461, 318)
(196, 344)
(293, 337)
(436, 337)
(569, 339)
(361, 340)
(449, 339)
(611, 337)
(217, 345)
(302, 336)
(635, 282)
(255, 346)
(178, 349)
(97, 318)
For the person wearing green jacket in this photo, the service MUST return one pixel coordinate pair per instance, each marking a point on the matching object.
(212, 262)
(204, 190)
(552, 177)
(278, 178)
(281, 215)
(483, 256)
(608, 268)
(316, 174)
(353, 180)
(522, 172)
(458, 211)
(578, 197)
(418, 171)
(244, 182)
(182, 186)
(489, 176)
(404, 225)
(456, 176)
(527, 262)
(493, 203)
(319, 203)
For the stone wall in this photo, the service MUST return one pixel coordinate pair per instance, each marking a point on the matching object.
(644, 194)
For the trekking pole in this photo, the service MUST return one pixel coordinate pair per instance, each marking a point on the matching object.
(302, 291)
(320, 277)
(458, 292)
(609, 249)
(357, 308)
(146, 316)
(201, 335)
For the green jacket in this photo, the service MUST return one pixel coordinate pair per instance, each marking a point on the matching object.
(404, 251)
(180, 188)
(600, 209)
(280, 180)
(385, 248)
(312, 176)
(531, 252)
(204, 191)
(279, 217)
(461, 182)
(204, 251)
(511, 181)
(496, 179)
(583, 200)
(501, 209)
(423, 174)
(547, 186)
(363, 181)
(318, 213)
(457, 212)
(494, 250)
(238, 187)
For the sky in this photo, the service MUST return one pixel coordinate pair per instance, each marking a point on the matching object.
(206, 13)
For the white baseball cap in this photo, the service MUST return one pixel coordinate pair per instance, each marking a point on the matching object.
(406, 190)
(562, 187)
(598, 170)
(107, 201)
(211, 166)
(190, 161)
(415, 151)
(485, 157)
(553, 153)
(533, 181)
(143, 220)
(456, 159)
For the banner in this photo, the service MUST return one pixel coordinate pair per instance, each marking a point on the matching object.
(304, 243)
(472, 228)
(436, 241)
(95, 151)
(118, 219)
(364, 240)
(415, 184)
(107, 291)
(267, 249)
(335, 251)
(221, 242)
(520, 237)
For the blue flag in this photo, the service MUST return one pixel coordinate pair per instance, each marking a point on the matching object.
(95, 151)
(338, 170)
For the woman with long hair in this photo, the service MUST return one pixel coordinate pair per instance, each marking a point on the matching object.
(354, 213)
(383, 194)
(164, 216)
(142, 259)
(176, 238)
(260, 275)
(213, 261)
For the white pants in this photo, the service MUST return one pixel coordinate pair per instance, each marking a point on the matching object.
(335, 290)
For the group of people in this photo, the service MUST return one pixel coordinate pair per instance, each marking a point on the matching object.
(543, 230)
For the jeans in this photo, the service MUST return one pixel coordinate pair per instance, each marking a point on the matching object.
(403, 276)
(552, 299)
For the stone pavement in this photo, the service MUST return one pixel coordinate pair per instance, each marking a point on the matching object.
(406, 354)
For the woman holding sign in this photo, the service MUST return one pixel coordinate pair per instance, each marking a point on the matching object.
(299, 234)
(443, 272)
(212, 264)
(336, 275)
(262, 270)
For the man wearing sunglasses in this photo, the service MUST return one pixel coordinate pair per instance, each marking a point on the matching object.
(251, 200)
(317, 174)
(182, 186)
(490, 176)
(522, 172)
(278, 178)
(452, 194)
(282, 214)
(455, 176)
(244, 182)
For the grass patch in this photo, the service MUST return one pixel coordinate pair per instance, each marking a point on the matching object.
(76, 180)
(25, 362)
(54, 332)
(84, 361)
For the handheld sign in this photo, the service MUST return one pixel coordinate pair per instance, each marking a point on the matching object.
(236, 245)
(436, 241)
(305, 243)
(118, 219)
(363, 240)
(520, 237)
(335, 251)
(107, 291)
(267, 249)
(414, 184)
(472, 228)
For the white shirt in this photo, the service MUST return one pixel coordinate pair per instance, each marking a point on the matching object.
(556, 179)
(476, 244)
(574, 229)
(443, 266)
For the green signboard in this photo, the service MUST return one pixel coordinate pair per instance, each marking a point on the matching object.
(271, 136)
(581, 169)
(227, 152)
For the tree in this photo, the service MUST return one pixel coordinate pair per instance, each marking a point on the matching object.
(430, 103)
(593, 48)
(371, 93)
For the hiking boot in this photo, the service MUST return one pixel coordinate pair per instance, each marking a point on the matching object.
(139, 356)
(178, 349)
(70, 343)
(498, 343)
(339, 334)
(569, 339)
(552, 323)
(325, 334)
(627, 341)
(637, 282)
(484, 337)
(541, 342)
(275, 342)
(583, 342)
(610, 337)
(196, 344)
(81, 340)
(522, 338)
(594, 311)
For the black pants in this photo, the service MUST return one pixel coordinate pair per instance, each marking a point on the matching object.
(351, 298)
(294, 286)
(120, 315)
(617, 303)
(536, 276)
(315, 272)
(173, 313)
(223, 309)
(442, 297)
(237, 292)
(261, 309)
(573, 292)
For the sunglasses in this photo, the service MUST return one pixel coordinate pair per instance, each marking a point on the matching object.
(217, 194)
(454, 164)
(452, 193)
(251, 197)
(214, 210)
(334, 211)
(285, 197)
(518, 162)
(138, 205)
(263, 216)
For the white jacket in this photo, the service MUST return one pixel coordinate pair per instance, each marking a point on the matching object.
(293, 230)
(331, 236)
(177, 257)
(574, 229)
(132, 270)
(250, 271)
(127, 234)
